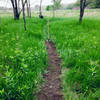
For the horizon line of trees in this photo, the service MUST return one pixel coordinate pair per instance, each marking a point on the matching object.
(82, 4)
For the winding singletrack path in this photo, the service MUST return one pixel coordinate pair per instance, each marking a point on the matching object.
(51, 89)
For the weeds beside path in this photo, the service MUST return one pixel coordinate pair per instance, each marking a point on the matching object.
(51, 89)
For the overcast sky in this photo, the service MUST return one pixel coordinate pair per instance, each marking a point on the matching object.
(6, 3)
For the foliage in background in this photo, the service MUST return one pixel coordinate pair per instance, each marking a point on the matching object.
(23, 58)
(57, 4)
(97, 4)
(90, 3)
(49, 7)
(71, 6)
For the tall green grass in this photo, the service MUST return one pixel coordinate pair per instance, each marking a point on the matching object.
(23, 58)
(79, 48)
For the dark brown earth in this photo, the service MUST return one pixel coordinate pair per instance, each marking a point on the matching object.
(51, 89)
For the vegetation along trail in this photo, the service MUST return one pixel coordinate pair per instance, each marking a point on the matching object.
(51, 89)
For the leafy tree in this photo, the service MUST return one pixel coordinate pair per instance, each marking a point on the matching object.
(91, 3)
(97, 3)
(57, 4)
(49, 7)
(23, 8)
(83, 5)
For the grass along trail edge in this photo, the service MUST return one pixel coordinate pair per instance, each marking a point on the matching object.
(51, 89)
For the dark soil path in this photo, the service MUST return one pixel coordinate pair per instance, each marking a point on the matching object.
(51, 89)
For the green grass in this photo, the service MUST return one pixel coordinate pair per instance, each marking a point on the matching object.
(79, 48)
(23, 58)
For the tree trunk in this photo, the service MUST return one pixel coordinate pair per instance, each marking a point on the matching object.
(0, 21)
(23, 7)
(82, 8)
(53, 8)
(40, 8)
(16, 14)
(29, 9)
(53, 11)
(15, 9)
(15, 5)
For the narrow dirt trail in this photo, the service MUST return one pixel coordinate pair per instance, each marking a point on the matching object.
(51, 89)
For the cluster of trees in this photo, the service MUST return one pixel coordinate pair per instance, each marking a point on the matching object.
(82, 4)
(56, 5)
(17, 9)
(97, 4)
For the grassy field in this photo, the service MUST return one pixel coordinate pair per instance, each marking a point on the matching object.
(23, 55)
(79, 48)
(23, 58)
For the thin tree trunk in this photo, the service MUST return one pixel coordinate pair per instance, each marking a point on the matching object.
(13, 7)
(48, 30)
(29, 9)
(0, 21)
(82, 8)
(18, 5)
(23, 7)
(53, 11)
(53, 8)
(40, 8)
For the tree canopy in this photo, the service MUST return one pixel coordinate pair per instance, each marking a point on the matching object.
(90, 3)
(57, 3)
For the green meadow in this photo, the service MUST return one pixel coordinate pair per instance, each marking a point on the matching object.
(23, 55)
(79, 48)
(23, 58)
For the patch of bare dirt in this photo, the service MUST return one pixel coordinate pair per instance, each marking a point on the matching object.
(51, 89)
